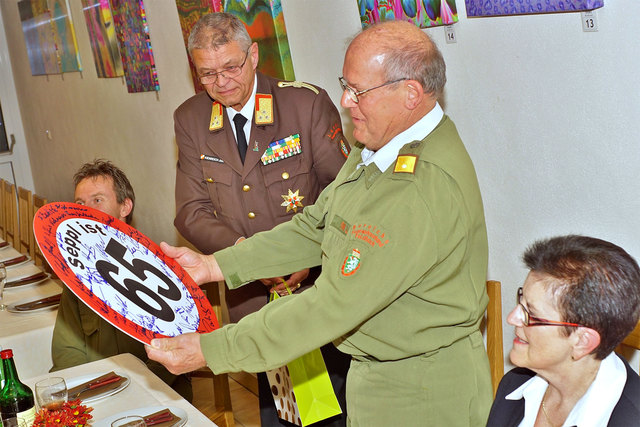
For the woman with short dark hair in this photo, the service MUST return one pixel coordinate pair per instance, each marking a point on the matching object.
(579, 301)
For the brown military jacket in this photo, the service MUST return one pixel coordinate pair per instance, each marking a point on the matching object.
(218, 199)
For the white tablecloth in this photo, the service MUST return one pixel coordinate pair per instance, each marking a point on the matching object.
(28, 334)
(145, 389)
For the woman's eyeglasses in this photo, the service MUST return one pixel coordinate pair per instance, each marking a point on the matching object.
(529, 320)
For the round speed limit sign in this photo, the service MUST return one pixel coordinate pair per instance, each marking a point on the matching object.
(120, 273)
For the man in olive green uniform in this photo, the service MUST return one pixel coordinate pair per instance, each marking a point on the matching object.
(233, 182)
(80, 335)
(401, 237)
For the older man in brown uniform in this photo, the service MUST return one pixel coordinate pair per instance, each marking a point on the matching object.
(252, 152)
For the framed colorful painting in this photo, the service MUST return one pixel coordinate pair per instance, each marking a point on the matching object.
(265, 23)
(423, 13)
(38, 35)
(65, 36)
(528, 7)
(132, 32)
(102, 35)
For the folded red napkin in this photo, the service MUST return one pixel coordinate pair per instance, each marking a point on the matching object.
(13, 261)
(96, 386)
(163, 418)
(40, 303)
(26, 280)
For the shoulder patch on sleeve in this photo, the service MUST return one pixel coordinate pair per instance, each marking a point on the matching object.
(405, 163)
(299, 84)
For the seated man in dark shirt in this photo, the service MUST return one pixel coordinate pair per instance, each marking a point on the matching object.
(80, 335)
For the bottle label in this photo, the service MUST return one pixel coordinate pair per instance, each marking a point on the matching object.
(28, 416)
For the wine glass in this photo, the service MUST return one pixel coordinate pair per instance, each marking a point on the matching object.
(13, 422)
(3, 280)
(51, 393)
(129, 421)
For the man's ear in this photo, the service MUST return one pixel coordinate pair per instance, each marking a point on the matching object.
(125, 208)
(414, 94)
(587, 340)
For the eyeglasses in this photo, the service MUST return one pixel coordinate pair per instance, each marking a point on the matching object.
(529, 320)
(354, 94)
(228, 73)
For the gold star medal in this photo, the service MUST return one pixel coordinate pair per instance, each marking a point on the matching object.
(292, 201)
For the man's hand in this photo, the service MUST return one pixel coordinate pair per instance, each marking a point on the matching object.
(280, 284)
(201, 268)
(179, 354)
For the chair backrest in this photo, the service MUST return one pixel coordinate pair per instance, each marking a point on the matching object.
(494, 333)
(25, 214)
(36, 253)
(3, 215)
(632, 340)
(10, 208)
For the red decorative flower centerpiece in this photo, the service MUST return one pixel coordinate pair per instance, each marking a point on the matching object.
(71, 414)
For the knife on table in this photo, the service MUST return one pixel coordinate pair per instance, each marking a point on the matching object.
(26, 280)
(41, 303)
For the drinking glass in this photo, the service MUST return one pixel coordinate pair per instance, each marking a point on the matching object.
(51, 393)
(129, 421)
(13, 422)
(3, 280)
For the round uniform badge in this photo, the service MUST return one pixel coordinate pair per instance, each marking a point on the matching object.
(120, 273)
(351, 263)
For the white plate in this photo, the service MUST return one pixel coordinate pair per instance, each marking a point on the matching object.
(72, 382)
(12, 307)
(143, 412)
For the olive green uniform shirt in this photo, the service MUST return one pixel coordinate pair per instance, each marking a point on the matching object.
(404, 262)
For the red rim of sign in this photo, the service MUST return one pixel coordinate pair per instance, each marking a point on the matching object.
(45, 225)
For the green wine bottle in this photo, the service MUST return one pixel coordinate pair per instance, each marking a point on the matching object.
(16, 398)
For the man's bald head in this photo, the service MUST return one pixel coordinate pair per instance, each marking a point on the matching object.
(403, 51)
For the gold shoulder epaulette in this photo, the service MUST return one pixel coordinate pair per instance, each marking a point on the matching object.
(405, 163)
(298, 84)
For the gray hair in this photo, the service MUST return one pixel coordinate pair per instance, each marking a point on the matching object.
(410, 54)
(218, 29)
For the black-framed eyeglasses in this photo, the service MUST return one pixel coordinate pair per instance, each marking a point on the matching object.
(354, 94)
(227, 73)
(529, 320)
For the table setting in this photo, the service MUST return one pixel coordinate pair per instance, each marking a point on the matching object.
(29, 298)
(119, 391)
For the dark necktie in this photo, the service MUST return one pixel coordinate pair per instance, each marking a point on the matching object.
(239, 121)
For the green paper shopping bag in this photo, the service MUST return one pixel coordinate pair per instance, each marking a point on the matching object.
(302, 389)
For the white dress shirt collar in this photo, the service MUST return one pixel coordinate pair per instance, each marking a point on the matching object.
(384, 157)
(247, 111)
(592, 410)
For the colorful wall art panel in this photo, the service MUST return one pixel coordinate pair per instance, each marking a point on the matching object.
(39, 38)
(528, 7)
(132, 32)
(65, 36)
(423, 13)
(102, 35)
(189, 11)
(265, 23)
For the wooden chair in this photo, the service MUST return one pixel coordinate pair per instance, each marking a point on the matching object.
(35, 252)
(223, 415)
(631, 342)
(494, 333)
(25, 216)
(3, 216)
(10, 209)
